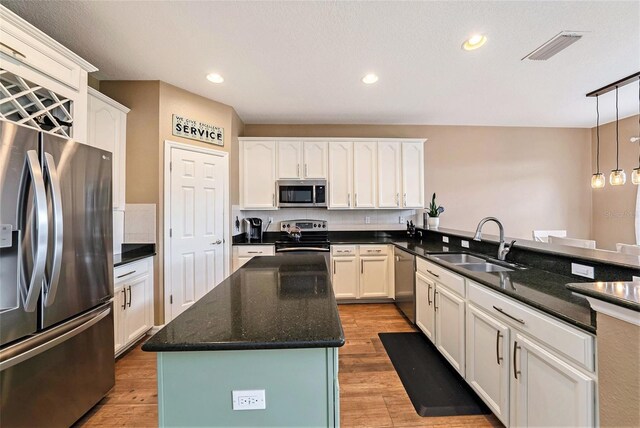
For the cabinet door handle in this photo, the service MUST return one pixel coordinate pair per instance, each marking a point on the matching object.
(348, 199)
(435, 296)
(434, 274)
(273, 199)
(405, 200)
(356, 200)
(129, 303)
(298, 171)
(124, 305)
(126, 274)
(516, 372)
(254, 252)
(15, 52)
(361, 266)
(498, 336)
(334, 267)
(521, 321)
(429, 295)
(306, 172)
(397, 199)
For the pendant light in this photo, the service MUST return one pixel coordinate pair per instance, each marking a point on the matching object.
(635, 175)
(597, 179)
(617, 176)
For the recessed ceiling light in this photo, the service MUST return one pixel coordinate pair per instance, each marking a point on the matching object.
(215, 78)
(370, 78)
(474, 42)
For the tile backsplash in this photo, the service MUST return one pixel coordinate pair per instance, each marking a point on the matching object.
(338, 219)
(140, 224)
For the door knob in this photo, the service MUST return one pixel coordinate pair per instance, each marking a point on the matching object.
(218, 242)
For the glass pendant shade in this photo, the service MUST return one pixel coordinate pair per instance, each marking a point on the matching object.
(617, 177)
(598, 181)
(635, 176)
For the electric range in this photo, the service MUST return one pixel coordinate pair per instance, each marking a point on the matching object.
(303, 236)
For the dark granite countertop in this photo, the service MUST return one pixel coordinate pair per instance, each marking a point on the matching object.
(269, 303)
(133, 252)
(625, 294)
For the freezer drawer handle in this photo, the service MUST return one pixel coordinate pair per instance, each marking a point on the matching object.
(37, 350)
(58, 238)
(31, 294)
(126, 274)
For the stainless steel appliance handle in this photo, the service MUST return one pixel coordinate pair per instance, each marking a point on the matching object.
(521, 321)
(318, 249)
(498, 336)
(51, 286)
(45, 341)
(31, 294)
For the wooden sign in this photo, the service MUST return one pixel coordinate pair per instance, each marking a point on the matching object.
(195, 130)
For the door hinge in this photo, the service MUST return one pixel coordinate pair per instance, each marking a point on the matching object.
(170, 233)
(171, 299)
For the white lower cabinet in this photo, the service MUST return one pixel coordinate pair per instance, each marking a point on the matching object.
(450, 309)
(362, 272)
(547, 391)
(487, 358)
(133, 302)
(243, 253)
(425, 308)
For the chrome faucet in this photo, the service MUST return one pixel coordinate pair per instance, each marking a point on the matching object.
(504, 248)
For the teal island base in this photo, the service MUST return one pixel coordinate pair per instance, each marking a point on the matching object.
(301, 387)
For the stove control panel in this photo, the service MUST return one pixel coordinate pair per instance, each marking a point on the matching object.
(305, 225)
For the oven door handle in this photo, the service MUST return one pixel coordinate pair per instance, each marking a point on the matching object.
(317, 249)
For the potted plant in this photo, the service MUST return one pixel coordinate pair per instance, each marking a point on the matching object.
(434, 212)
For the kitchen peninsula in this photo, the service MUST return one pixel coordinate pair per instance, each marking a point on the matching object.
(272, 326)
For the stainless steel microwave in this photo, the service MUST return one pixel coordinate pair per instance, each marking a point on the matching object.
(302, 193)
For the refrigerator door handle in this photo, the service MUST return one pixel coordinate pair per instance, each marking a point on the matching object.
(31, 293)
(15, 355)
(51, 286)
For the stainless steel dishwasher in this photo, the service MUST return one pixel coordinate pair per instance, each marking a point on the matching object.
(405, 277)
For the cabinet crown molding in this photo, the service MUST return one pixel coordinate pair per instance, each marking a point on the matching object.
(8, 16)
(106, 99)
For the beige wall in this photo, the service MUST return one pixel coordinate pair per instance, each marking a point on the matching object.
(530, 178)
(618, 372)
(149, 124)
(614, 208)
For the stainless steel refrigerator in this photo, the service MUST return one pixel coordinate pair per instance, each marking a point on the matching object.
(56, 278)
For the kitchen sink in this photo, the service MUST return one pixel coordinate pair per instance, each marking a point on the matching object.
(459, 258)
(483, 267)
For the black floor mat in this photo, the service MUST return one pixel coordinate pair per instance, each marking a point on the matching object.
(434, 387)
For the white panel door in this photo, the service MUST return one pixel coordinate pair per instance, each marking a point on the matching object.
(547, 391)
(412, 175)
(389, 174)
(315, 159)
(258, 170)
(345, 277)
(197, 227)
(425, 312)
(289, 159)
(487, 364)
(365, 157)
(374, 276)
(340, 174)
(450, 326)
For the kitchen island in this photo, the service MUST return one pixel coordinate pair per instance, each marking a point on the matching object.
(272, 326)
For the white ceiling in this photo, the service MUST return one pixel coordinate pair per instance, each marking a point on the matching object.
(301, 62)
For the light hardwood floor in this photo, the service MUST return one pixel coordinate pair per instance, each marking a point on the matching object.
(371, 393)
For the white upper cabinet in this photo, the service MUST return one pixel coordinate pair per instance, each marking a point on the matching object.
(315, 159)
(365, 156)
(258, 174)
(302, 159)
(289, 159)
(389, 174)
(412, 175)
(107, 130)
(340, 174)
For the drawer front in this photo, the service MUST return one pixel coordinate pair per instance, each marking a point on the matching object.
(445, 277)
(574, 344)
(131, 270)
(374, 250)
(23, 48)
(256, 250)
(343, 250)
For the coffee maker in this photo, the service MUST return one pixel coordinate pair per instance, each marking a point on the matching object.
(253, 229)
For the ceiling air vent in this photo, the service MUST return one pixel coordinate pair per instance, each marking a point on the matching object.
(559, 42)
